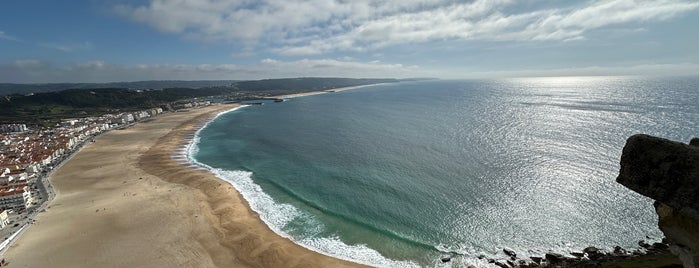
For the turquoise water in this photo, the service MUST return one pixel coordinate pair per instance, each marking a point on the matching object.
(392, 175)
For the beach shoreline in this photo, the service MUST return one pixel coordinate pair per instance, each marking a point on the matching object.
(125, 193)
(332, 90)
(196, 218)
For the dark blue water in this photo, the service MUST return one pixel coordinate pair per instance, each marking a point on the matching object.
(392, 175)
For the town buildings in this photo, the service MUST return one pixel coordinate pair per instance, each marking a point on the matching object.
(26, 153)
(17, 198)
(4, 219)
(8, 128)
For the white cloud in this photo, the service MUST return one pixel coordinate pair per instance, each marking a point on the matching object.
(307, 27)
(6, 36)
(69, 46)
(33, 71)
(28, 64)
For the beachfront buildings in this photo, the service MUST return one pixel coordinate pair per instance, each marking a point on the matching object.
(15, 192)
(27, 154)
(187, 105)
(8, 128)
(17, 198)
(4, 218)
(24, 155)
(34, 151)
(12, 177)
(125, 119)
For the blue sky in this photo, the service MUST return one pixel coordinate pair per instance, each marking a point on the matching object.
(112, 40)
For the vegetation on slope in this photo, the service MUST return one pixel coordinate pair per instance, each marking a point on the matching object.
(46, 108)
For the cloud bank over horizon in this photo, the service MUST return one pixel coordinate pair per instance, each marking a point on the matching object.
(299, 27)
(34, 71)
(245, 39)
(100, 71)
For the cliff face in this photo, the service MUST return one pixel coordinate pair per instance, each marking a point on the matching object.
(668, 172)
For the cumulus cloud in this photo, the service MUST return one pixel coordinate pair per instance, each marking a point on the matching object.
(34, 71)
(306, 27)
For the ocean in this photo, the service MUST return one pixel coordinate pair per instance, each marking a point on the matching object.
(398, 174)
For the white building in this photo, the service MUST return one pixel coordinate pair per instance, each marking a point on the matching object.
(7, 128)
(125, 118)
(16, 198)
(11, 177)
(4, 219)
(32, 167)
(141, 115)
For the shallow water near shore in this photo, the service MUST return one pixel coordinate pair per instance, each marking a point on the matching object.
(395, 174)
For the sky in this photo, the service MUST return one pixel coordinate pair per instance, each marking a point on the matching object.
(45, 41)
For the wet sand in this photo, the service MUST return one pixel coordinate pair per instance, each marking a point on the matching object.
(125, 201)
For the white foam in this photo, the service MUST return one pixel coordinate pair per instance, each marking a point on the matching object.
(191, 148)
(277, 216)
(333, 246)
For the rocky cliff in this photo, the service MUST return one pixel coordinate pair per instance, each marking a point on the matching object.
(668, 172)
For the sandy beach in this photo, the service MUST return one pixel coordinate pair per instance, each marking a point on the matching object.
(123, 201)
(290, 96)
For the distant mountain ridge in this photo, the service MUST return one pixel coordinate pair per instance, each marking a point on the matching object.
(9, 88)
(47, 107)
(315, 83)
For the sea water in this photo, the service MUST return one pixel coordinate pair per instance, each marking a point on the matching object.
(398, 174)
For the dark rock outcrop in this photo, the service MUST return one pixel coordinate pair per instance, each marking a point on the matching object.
(668, 172)
(509, 252)
(446, 258)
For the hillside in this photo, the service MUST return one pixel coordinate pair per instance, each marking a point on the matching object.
(47, 107)
(8, 88)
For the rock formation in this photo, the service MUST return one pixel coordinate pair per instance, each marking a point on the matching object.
(668, 172)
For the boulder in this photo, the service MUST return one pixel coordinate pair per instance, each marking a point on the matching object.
(554, 257)
(502, 264)
(664, 170)
(593, 253)
(694, 142)
(619, 251)
(591, 250)
(509, 252)
(668, 172)
(643, 244)
(536, 260)
(445, 258)
(660, 246)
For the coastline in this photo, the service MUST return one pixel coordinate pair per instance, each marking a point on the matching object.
(125, 193)
(261, 204)
(221, 227)
(332, 90)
